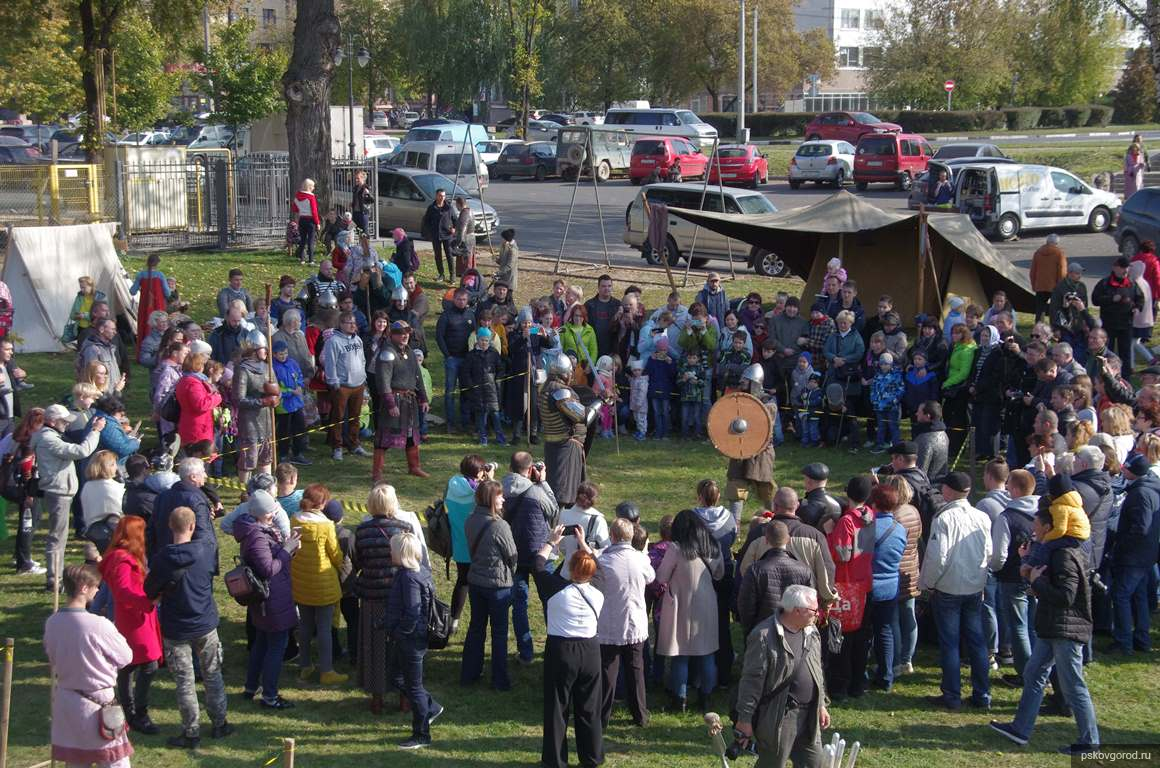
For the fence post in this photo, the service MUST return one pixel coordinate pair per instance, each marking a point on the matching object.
(121, 197)
(288, 753)
(221, 203)
(6, 700)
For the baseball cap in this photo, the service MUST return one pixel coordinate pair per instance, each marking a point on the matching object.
(958, 481)
(1075, 266)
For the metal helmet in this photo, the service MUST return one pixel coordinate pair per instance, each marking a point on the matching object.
(754, 373)
(628, 510)
(304, 294)
(560, 365)
(253, 339)
(327, 299)
(399, 294)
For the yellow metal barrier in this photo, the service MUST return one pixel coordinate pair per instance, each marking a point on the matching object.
(53, 194)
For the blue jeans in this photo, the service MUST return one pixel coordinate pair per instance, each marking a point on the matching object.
(810, 426)
(959, 617)
(1018, 606)
(884, 615)
(520, 615)
(778, 433)
(451, 366)
(691, 424)
(266, 662)
(888, 429)
(659, 413)
(482, 417)
(679, 674)
(905, 629)
(407, 676)
(991, 614)
(1130, 596)
(1067, 658)
(487, 605)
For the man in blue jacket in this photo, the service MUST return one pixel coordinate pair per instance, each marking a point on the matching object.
(1133, 557)
(181, 573)
(529, 505)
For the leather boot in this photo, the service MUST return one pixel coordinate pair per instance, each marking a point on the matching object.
(377, 466)
(413, 461)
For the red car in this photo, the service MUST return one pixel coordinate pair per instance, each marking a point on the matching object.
(666, 154)
(890, 158)
(740, 164)
(847, 126)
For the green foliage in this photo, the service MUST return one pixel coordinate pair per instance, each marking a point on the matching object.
(371, 21)
(1135, 96)
(1063, 50)
(243, 80)
(1022, 118)
(39, 71)
(1101, 115)
(144, 89)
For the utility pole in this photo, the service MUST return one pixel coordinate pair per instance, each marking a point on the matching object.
(741, 75)
(753, 101)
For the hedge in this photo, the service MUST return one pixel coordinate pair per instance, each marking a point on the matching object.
(792, 124)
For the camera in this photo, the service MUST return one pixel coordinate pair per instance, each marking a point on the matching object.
(540, 466)
(741, 745)
(490, 467)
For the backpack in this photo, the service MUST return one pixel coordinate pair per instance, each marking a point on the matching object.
(15, 484)
(439, 532)
(438, 622)
(170, 409)
(244, 585)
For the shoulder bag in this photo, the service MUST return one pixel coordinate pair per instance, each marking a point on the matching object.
(111, 723)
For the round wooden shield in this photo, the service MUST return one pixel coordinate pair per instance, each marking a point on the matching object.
(739, 425)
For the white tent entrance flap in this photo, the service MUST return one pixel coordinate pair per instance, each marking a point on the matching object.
(41, 270)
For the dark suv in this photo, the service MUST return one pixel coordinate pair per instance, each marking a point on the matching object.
(1139, 221)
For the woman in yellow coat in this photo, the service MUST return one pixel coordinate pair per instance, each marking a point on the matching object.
(315, 585)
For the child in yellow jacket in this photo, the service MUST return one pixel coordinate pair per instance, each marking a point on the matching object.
(1070, 525)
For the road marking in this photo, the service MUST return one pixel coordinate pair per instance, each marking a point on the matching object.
(1100, 133)
(1010, 136)
(1061, 135)
(954, 138)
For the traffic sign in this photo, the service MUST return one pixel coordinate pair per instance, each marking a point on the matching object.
(949, 86)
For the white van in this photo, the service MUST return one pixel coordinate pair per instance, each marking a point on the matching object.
(709, 245)
(1004, 200)
(660, 121)
(449, 158)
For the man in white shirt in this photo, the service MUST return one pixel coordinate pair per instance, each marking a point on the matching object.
(955, 572)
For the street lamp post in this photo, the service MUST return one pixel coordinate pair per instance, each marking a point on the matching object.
(741, 74)
(363, 57)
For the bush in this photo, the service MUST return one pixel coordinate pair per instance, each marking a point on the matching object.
(1101, 116)
(992, 120)
(778, 124)
(1051, 117)
(1077, 116)
(1022, 118)
(725, 123)
(933, 121)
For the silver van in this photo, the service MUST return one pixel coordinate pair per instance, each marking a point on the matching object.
(660, 121)
(611, 147)
(450, 158)
(682, 234)
(1003, 200)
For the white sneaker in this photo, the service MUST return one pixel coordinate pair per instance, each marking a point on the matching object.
(903, 669)
(336, 454)
(360, 451)
(36, 570)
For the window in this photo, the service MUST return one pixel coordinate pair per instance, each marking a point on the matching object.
(871, 56)
(849, 57)
(851, 18)
(449, 165)
(873, 19)
(1065, 182)
(269, 17)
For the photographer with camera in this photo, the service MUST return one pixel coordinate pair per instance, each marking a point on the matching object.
(531, 509)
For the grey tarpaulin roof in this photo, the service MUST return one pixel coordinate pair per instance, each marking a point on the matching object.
(793, 234)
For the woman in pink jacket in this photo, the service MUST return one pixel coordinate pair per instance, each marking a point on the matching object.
(197, 394)
(135, 616)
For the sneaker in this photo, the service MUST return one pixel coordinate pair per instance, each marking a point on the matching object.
(501, 440)
(416, 742)
(994, 663)
(1006, 659)
(1007, 730)
(249, 695)
(639, 437)
(183, 742)
(223, 730)
(333, 678)
(945, 703)
(144, 724)
(33, 570)
(904, 669)
(306, 674)
(483, 441)
(360, 451)
(1078, 749)
(434, 714)
(1012, 680)
(336, 454)
(278, 703)
(301, 460)
(878, 449)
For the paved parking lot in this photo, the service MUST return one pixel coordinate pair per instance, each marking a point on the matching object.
(539, 212)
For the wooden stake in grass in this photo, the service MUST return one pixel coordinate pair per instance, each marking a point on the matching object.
(6, 699)
(273, 378)
(288, 753)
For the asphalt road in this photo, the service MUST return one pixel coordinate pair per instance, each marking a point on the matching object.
(539, 211)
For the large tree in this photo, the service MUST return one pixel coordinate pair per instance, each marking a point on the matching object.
(241, 79)
(39, 72)
(371, 21)
(1135, 96)
(1066, 52)
(595, 55)
(306, 88)
(1146, 13)
(144, 90)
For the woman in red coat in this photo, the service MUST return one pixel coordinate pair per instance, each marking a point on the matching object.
(852, 548)
(197, 394)
(135, 616)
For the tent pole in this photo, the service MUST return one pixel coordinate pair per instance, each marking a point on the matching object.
(572, 207)
(701, 207)
(921, 258)
(599, 210)
(274, 377)
(721, 191)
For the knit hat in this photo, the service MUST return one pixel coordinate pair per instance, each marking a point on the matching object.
(858, 488)
(886, 357)
(1059, 485)
(281, 346)
(200, 347)
(398, 235)
(260, 481)
(807, 357)
(483, 333)
(604, 364)
(956, 302)
(333, 510)
(663, 344)
(635, 365)
(958, 481)
(262, 504)
(418, 353)
(1138, 465)
(525, 315)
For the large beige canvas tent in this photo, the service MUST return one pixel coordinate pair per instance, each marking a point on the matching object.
(41, 268)
(882, 250)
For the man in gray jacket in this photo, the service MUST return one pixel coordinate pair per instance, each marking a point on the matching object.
(100, 347)
(781, 698)
(55, 461)
(345, 366)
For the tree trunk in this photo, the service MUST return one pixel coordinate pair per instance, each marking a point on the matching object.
(96, 31)
(716, 97)
(306, 87)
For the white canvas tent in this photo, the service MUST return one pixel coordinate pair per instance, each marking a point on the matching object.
(41, 269)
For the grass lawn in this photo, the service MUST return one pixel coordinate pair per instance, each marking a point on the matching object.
(333, 727)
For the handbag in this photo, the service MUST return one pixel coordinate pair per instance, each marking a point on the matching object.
(111, 724)
(438, 622)
(244, 585)
(850, 606)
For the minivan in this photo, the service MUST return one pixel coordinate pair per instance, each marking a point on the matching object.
(666, 154)
(890, 158)
(1139, 221)
(449, 131)
(663, 122)
(683, 235)
(1003, 200)
(449, 158)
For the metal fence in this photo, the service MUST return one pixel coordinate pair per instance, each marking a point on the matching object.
(208, 201)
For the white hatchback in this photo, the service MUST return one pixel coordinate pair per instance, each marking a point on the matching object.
(823, 161)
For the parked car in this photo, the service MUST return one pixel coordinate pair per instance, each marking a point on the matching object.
(489, 151)
(535, 159)
(1004, 199)
(407, 119)
(374, 146)
(36, 135)
(739, 164)
(14, 151)
(679, 244)
(967, 149)
(587, 118)
(144, 139)
(405, 193)
(823, 161)
(922, 193)
(663, 122)
(447, 130)
(847, 126)
(556, 117)
(447, 158)
(379, 120)
(1139, 221)
(183, 135)
(890, 158)
(213, 137)
(579, 149)
(666, 154)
